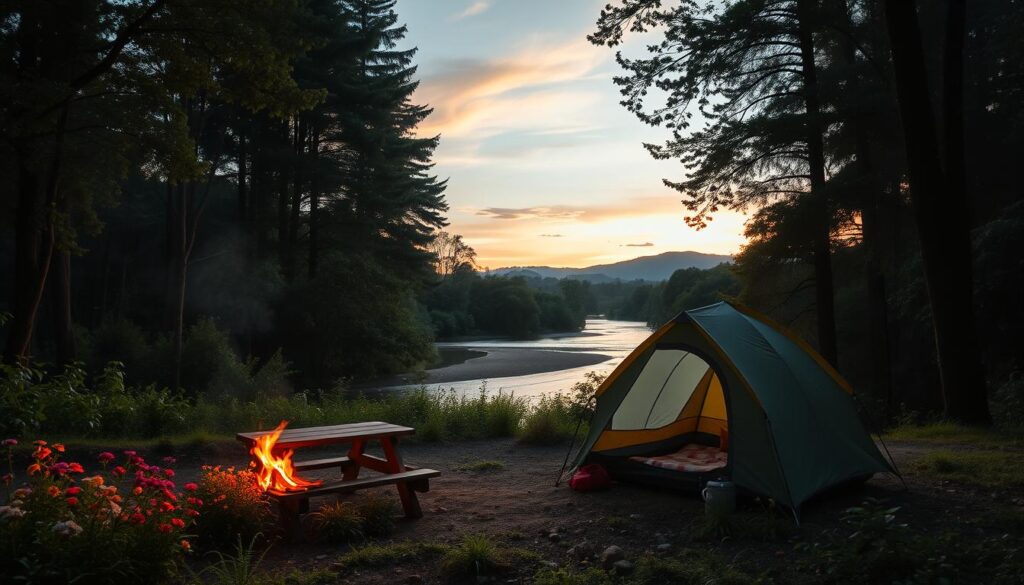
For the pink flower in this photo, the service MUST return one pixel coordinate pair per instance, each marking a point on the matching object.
(119, 471)
(191, 487)
(130, 453)
(195, 502)
(7, 478)
(178, 522)
(106, 457)
(169, 472)
(10, 442)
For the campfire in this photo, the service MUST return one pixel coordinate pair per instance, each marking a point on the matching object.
(275, 471)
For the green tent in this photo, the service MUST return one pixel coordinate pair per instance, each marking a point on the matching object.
(718, 392)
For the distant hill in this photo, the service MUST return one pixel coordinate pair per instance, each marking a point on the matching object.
(650, 268)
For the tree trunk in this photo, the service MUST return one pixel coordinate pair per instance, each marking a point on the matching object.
(60, 297)
(822, 243)
(940, 212)
(314, 207)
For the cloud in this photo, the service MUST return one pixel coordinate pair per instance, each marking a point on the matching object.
(551, 235)
(479, 98)
(643, 245)
(553, 212)
(471, 10)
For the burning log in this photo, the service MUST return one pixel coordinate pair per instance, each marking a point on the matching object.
(275, 472)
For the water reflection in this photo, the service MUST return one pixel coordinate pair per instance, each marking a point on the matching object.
(615, 339)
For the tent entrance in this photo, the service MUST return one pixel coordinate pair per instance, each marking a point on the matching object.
(677, 399)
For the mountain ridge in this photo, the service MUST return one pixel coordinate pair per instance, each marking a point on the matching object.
(650, 268)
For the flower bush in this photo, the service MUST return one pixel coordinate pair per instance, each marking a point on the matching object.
(233, 506)
(126, 522)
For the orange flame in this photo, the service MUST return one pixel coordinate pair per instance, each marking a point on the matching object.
(276, 472)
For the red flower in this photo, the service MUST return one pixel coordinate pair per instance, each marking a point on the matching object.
(166, 507)
(193, 513)
(76, 468)
(72, 501)
(73, 490)
(119, 471)
(42, 452)
(191, 487)
(169, 460)
(169, 472)
(39, 442)
(165, 528)
(178, 522)
(137, 518)
(58, 447)
(10, 442)
(106, 457)
(195, 502)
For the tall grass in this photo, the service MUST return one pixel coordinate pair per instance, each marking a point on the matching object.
(72, 405)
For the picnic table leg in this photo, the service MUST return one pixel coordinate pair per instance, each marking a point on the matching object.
(289, 511)
(351, 471)
(410, 503)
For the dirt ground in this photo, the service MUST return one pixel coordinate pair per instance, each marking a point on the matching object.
(519, 506)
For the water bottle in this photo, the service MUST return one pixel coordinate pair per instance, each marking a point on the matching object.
(719, 497)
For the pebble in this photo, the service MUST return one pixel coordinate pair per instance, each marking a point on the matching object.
(663, 547)
(321, 557)
(554, 537)
(611, 555)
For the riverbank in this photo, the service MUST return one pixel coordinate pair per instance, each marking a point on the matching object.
(484, 364)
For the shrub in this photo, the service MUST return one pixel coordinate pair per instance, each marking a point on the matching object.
(127, 524)
(233, 507)
(550, 422)
(338, 522)
(378, 514)
(475, 556)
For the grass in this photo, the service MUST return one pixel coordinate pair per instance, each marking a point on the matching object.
(481, 465)
(476, 555)
(757, 527)
(944, 432)
(392, 553)
(338, 522)
(997, 469)
(378, 514)
(617, 522)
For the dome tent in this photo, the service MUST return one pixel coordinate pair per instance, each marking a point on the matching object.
(720, 378)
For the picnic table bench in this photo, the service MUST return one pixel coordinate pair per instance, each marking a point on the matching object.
(407, 478)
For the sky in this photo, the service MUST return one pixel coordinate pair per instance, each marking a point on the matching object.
(545, 167)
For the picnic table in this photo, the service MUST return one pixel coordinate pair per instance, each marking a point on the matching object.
(391, 468)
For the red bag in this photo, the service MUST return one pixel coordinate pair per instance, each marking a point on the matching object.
(590, 478)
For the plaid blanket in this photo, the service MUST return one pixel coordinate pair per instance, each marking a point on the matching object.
(692, 458)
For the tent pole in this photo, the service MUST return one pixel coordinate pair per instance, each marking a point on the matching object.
(874, 428)
(575, 433)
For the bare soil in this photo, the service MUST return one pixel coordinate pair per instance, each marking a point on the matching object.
(519, 506)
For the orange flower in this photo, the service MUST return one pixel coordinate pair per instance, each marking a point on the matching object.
(185, 545)
(34, 469)
(137, 490)
(42, 452)
(53, 491)
(58, 447)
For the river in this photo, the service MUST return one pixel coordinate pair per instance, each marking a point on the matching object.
(536, 367)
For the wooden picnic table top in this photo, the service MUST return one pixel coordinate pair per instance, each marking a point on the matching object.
(329, 435)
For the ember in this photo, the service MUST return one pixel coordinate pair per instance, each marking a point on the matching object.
(275, 471)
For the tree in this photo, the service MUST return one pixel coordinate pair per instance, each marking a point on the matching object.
(451, 254)
(749, 69)
(939, 201)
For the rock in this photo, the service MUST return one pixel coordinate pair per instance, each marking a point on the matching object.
(663, 547)
(413, 580)
(622, 567)
(582, 551)
(635, 516)
(554, 537)
(611, 555)
(321, 557)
